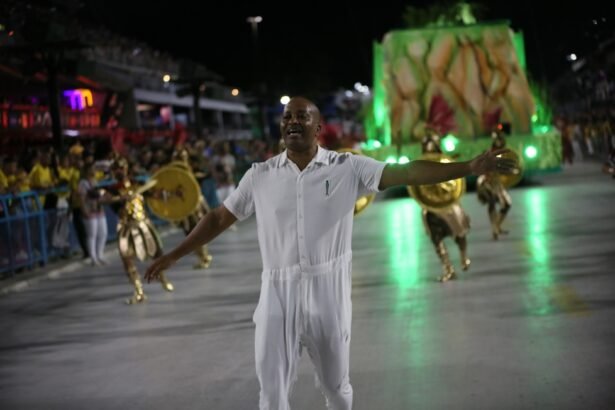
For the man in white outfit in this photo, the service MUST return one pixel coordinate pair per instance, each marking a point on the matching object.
(304, 200)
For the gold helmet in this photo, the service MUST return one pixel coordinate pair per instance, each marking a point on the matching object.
(498, 139)
(119, 167)
(181, 154)
(119, 162)
(431, 142)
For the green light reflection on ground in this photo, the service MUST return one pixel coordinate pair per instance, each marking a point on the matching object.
(406, 238)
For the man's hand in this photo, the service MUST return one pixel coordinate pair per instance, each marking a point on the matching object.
(212, 225)
(159, 265)
(490, 162)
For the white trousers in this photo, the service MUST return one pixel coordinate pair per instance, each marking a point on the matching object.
(96, 233)
(304, 308)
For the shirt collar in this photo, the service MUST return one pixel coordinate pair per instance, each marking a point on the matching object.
(321, 157)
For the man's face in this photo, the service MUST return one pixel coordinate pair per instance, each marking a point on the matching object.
(300, 125)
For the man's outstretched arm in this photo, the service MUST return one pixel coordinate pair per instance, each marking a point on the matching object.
(429, 172)
(212, 225)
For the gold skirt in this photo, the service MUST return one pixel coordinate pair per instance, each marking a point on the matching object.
(492, 192)
(138, 238)
(451, 222)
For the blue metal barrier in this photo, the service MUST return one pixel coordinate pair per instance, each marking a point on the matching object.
(26, 231)
(22, 232)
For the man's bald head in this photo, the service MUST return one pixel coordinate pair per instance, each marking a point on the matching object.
(304, 103)
(300, 124)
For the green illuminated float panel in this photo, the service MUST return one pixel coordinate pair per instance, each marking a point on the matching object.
(460, 80)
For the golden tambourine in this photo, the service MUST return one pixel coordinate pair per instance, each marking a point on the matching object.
(438, 197)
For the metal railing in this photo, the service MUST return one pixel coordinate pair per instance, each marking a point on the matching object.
(27, 231)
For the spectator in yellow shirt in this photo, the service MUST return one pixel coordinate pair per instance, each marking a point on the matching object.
(16, 177)
(89, 160)
(4, 183)
(9, 171)
(21, 181)
(41, 177)
(65, 173)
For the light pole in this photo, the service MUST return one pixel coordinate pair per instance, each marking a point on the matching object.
(259, 84)
(254, 20)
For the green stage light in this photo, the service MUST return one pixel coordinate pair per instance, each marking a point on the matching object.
(403, 160)
(531, 151)
(391, 160)
(450, 143)
(370, 145)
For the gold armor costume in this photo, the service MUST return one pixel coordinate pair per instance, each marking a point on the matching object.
(181, 159)
(492, 192)
(451, 222)
(442, 214)
(137, 236)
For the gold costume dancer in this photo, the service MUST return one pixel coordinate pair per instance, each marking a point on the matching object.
(136, 235)
(182, 159)
(450, 220)
(491, 191)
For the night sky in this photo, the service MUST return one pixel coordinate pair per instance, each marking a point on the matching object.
(306, 47)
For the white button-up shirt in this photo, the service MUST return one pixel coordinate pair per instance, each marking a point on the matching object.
(304, 218)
